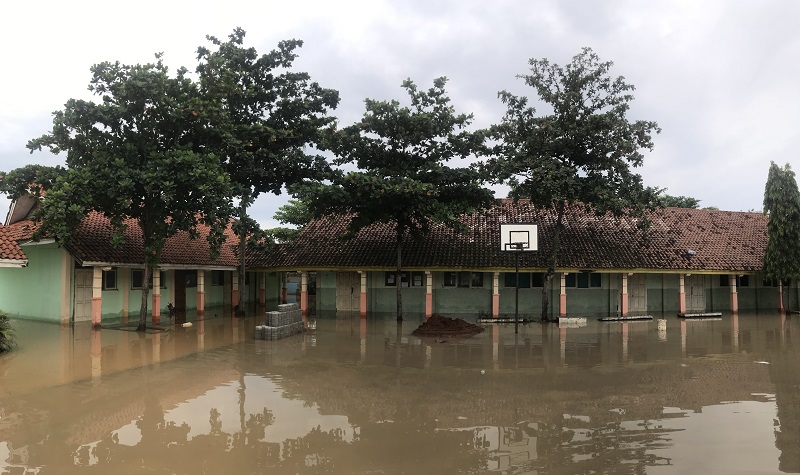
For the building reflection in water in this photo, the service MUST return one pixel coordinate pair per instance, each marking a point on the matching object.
(359, 395)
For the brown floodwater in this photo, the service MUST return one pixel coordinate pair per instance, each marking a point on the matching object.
(355, 396)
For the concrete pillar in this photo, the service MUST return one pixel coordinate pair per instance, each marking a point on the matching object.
(156, 296)
(625, 332)
(124, 275)
(734, 294)
(201, 292)
(562, 302)
(428, 294)
(495, 294)
(97, 353)
(681, 294)
(304, 292)
(624, 296)
(97, 295)
(362, 300)
(235, 288)
(67, 269)
(262, 289)
(780, 297)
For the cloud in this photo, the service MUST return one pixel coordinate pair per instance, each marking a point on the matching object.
(718, 76)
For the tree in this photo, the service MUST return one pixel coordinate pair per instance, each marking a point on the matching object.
(782, 205)
(265, 117)
(402, 176)
(669, 201)
(29, 179)
(295, 213)
(581, 152)
(136, 154)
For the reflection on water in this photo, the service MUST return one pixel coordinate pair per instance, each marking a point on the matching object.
(364, 396)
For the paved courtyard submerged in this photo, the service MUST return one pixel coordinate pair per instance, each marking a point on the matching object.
(363, 396)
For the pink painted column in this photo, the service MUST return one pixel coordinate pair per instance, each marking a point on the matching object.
(624, 296)
(304, 292)
(201, 292)
(562, 302)
(362, 298)
(495, 295)
(681, 294)
(262, 289)
(97, 295)
(156, 297)
(428, 294)
(734, 294)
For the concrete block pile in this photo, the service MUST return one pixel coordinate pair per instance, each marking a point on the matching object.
(286, 321)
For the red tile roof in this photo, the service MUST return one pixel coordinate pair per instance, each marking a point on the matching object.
(91, 242)
(722, 241)
(9, 249)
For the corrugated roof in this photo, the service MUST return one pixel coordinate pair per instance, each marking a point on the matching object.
(722, 240)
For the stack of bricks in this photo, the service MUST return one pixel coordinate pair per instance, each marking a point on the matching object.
(286, 321)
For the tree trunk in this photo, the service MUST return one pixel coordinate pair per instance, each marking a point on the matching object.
(398, 274)
(145, 294)
(239, 305)
(551, 269)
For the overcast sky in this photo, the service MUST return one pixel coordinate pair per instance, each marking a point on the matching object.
(719, 77)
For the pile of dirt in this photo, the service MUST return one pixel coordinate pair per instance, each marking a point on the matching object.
(439, 325)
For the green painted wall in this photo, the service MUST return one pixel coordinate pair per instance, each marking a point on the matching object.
(34, 292)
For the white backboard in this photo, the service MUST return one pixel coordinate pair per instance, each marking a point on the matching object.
(518, 237)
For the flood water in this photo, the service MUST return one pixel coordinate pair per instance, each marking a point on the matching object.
(355, 396)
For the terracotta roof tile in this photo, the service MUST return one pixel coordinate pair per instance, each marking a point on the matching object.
(722, 240)
(91, 242)
(9, 249)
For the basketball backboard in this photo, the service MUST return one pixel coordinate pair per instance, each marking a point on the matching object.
(518, 237)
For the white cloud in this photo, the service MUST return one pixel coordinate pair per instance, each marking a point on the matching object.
(718, 76)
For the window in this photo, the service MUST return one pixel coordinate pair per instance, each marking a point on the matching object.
(137, 275)
(537, 279)
(775, 282)
(449, 279)
(110, 279)
(191, 278)
(389, 279)
(587, 279)
(466, 280)
(524, 279)
(418, 279)
(217, 277)
(583, 280)
(477, 279)
(741, 281)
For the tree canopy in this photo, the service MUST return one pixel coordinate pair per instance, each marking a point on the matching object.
(582, 150)
(137, 153)
(782, 204)
(394, 168)
(265, 117)
(670, 201)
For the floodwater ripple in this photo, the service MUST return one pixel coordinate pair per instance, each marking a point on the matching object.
(362, 396)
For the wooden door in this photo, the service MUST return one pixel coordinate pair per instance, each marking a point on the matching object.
(180, 290)
(348, 291)
(83, 295)
(695, 294)
(637, 294)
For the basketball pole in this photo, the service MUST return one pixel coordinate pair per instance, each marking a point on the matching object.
(516, 289)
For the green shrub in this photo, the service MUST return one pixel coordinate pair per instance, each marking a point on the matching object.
(7, 341)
